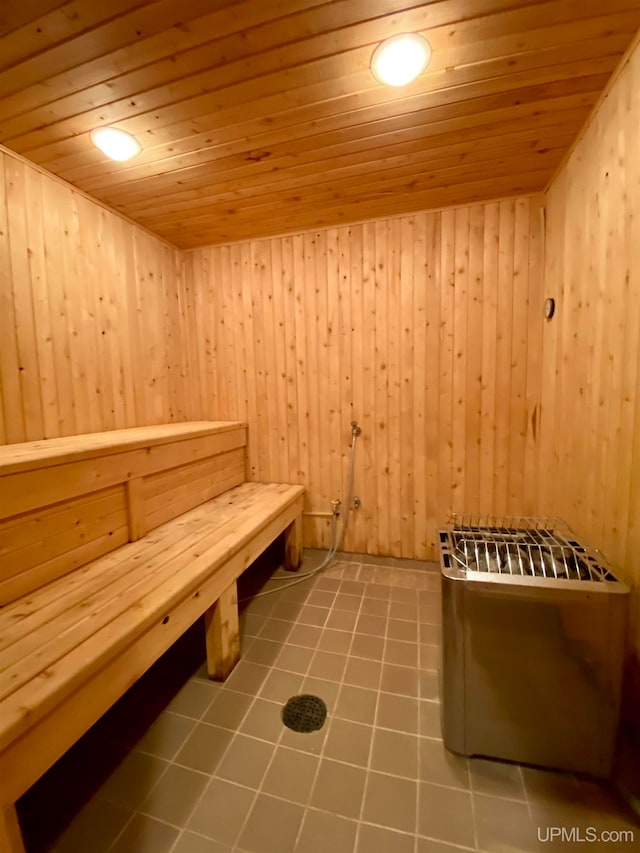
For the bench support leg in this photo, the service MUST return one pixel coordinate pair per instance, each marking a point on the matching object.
(293, 545)
(10, 834)
(223, 634)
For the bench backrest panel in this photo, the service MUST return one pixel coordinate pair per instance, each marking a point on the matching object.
(64, 508)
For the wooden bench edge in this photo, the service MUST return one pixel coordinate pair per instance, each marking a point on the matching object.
(29, 750)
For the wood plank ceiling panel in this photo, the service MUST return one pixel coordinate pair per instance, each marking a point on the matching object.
(259, 118)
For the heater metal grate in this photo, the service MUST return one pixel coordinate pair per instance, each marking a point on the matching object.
(529, 547)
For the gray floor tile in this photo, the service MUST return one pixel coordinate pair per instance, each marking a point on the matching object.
(310, 615)
(375, 607)
(323, 832)
(446, 814)
(377, 839)
(430, 634)
(272, 826)
(280, 685)
(132, 780)
(430, 719)
(222, 811)
(364, 646)
(189, 842)
(339, 788)
(287, 610)
(325, 583)
(400, 713)
(305, 635)
(375, 626)
(229, 709)
(442, 767)
(430, 657)
(294, 658)
(357, 704)
(429, 685)
(264, 652)
(342, 619)
(291, 775)
(175, 796)
(403, 610)
(400, 629)
(348, 741)
(335, 641)
(349, 603)
(400, 679)
(146, 835)
(390, 802)
(321, 598)
(429, 845)
(167, 734)
(193, 699)
(328, 666)
(379, 591)
(504, 826)
(325, 690)
(312, 742)
(352, 587)
(247, 677)
(276, 629)
(401, 653)
(363, 673)
(245, 761)
(496, 778)
(204, 748)
(264, 720)
(396, 753)
(251, 624)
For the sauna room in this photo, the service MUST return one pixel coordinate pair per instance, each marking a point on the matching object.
(319, 426)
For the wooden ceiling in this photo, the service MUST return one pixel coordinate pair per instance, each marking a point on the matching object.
(261, 116)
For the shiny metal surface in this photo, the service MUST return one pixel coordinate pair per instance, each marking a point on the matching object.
(532, 665)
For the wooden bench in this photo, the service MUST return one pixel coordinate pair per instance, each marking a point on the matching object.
(111, 546)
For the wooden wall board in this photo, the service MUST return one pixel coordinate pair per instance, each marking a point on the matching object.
(408, 325)
(590, 441)
(90, 305)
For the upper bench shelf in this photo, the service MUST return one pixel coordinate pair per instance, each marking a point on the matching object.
(57, 451)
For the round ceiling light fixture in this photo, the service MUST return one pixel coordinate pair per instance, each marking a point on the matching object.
(115, 143)
(400, 59)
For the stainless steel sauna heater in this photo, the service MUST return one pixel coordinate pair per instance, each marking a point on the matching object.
(533, 644)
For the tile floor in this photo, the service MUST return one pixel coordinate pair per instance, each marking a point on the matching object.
(184, 765)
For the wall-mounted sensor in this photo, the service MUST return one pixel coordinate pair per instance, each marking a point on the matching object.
(549, 307)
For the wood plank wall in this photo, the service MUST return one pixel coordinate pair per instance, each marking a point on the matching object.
(90, 329)
(591, 375)
(426, 329)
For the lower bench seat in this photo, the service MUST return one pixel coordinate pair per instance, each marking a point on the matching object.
(70, 649)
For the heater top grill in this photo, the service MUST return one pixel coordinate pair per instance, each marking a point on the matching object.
(519, 546)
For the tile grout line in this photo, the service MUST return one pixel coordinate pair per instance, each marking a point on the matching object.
(324, 743)
(374, 727)
(236, 731)
(258, 790)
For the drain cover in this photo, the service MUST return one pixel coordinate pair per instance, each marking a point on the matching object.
(304, 713)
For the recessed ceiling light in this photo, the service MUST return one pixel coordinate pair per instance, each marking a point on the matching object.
(115, 143)
(400, 59)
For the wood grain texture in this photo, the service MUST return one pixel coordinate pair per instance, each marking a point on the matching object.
(91, 494)
(590, 380)
(261, 118)
(426, 329)
(89, 314)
